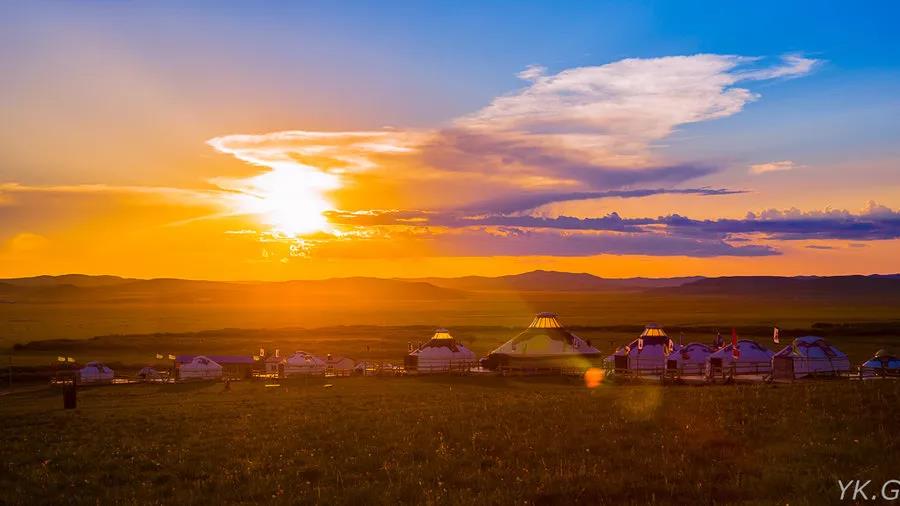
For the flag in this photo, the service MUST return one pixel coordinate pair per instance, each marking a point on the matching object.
(171, 357)
(735, 351)
(775, 336)
(159, 356)
(641, 343)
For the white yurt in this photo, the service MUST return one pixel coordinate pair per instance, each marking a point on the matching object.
(339, 366)
(883, 364)
(545, 346)
(690, 359)
(152, 375)
(95, 372)
(809, 356)
(302, 363)
(645, 356)
(198, 368)
(755, 361)
(442, 353)
(274, 365)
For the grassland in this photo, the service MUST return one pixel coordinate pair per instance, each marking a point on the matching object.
(131, 334)
(449, 441)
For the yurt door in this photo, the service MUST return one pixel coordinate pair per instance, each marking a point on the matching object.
(784, 367)
(715, 366)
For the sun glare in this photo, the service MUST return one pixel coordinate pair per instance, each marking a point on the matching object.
(291, 201)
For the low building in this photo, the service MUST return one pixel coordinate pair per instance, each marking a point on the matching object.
(233, 366)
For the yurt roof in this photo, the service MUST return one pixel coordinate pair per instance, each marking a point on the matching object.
(545, 321)
(653, 330)
(548, 324)
(884, 353)
(441, 340)
(802, 345)
(746, 346)
(697, 346)
(219, 359)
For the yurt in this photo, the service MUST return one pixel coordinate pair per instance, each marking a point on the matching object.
(94, 373)
(339, 366)
(151, 375)
(544, 347)
(883, 364)
(274, 366)
(441, 354)
(689, 360)
(754, 361)
(198, 368)
(809, 356)
(302, 363)
(645, 356)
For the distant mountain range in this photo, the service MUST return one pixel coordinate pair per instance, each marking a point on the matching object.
(553, 281)
(79, 288)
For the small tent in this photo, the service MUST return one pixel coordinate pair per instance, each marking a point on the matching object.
(442, 353)
(198, 367)
(690, 359)
(274, 365)
(809, 356)
(754, 361)
(883, 364)
(339, 366)
(645, 356)
(95, 372)
(545, 346)
(152, 375)
(302, 363)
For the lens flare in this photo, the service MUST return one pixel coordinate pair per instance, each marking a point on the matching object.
(593, 377)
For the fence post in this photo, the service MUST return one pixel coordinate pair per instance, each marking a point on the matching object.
(70, 393)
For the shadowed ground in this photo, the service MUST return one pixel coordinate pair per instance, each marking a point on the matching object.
(449, 440)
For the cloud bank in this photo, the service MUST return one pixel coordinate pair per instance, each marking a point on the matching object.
(583, 129)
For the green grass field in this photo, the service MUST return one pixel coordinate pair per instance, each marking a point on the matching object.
(448, 440)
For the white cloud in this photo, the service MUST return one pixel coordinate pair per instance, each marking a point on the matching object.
(581, 129)
(783, 165)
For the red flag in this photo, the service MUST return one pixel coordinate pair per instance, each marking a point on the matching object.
(735, 351)
(775, 336)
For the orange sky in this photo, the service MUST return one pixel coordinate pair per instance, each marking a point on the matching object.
(637, 167)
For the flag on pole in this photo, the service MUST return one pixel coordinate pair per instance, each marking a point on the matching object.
(775, 335)
(159, 356)
(735, 351)
(171, 357)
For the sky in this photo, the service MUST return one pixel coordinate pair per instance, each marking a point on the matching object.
(282, 140)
